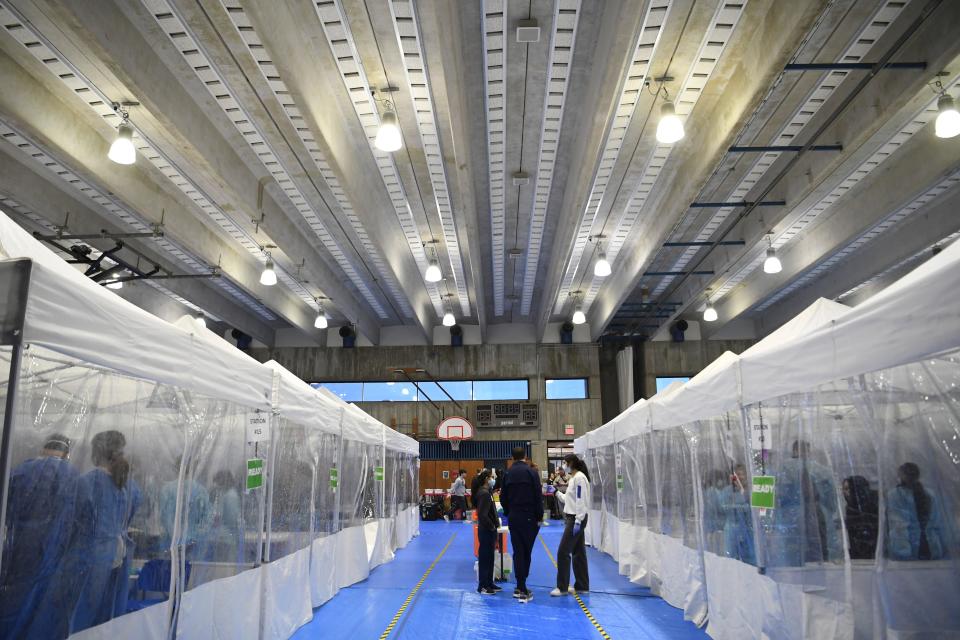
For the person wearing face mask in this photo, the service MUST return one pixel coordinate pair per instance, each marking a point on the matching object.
(576, 502)
(487, 524)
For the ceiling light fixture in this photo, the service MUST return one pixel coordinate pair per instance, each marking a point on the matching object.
(449, 319)
(321, 321)
(388, 138)
(670, 127)
(115, 285)
(122, 150)
(268, 277)
(433, 273)
(948, 118)
(601, 268)
(578, 316)
(710, 313)
(772, 262)
(201, 321)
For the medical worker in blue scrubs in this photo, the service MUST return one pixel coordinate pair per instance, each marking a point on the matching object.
(100, 557)
(39, 514)
(737, 518)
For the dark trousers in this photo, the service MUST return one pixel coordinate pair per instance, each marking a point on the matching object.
(488, 542)
(523, 533)
(458, 502)
(571, 545)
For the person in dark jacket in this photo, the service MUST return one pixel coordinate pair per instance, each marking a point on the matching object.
(862, 517)
(487, 524)
(522, 500)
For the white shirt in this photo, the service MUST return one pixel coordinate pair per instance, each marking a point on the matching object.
(576, 501)
(459, 487)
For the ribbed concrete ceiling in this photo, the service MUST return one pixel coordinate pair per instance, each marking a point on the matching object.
(522, 161)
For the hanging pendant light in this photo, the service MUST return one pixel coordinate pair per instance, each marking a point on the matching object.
(321, 321)
(115, 285)
(433, 273)
(201, 321)
(578, 316)
(948, 118)
(670, 127)
(268, 277)
(388, 135)
(709, 314)
(772, 263)
(122, 150)
(601, 268)
(449, 319)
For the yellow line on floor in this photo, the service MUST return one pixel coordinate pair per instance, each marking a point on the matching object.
(583, 606)
(406, 603)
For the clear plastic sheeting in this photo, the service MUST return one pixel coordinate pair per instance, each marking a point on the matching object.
(191, 492)
(810, 487)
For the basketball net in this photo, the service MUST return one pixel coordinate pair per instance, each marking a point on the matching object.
(455, 444)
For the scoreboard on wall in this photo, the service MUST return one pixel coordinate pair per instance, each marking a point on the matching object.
(507, 414)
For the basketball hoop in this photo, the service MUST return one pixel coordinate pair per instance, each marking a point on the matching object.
(455, 430)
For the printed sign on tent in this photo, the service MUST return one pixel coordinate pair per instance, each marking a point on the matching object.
(334, 478)
(762, 495)
(258, 427)
(760, 436)
(254, 473)
(619, 482)
(378, 474)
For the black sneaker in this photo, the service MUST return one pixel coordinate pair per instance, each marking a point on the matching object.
(486, 592)
(526, 596)
(517, 593)
(497, 589)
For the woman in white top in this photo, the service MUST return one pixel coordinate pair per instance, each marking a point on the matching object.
(576, 503)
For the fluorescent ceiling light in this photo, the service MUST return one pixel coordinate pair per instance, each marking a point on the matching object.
(388, 135)
(433, 273)
(449, 320)
(269, 276)
(122, 150)
(578, 315)
(772, 263)
(670, 128)
(601, 268)
(948, 120)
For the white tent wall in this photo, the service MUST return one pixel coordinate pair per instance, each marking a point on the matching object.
(208, 553)
(855, 415)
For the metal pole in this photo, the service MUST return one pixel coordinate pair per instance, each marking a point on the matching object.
(17, 277)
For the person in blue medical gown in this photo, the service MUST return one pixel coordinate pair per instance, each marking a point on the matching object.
(713, 484)
(195, 517)
(39, 515)
(226, 524)
(806, 516)
(737, 519)
(914, 519)
(99, 558)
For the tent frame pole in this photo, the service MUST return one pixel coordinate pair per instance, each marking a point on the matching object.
(15, 279)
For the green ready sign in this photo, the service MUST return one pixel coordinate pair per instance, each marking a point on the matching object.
(762, 495)
(254, 473)
(334, 478)
(619, 483)
(378, 474)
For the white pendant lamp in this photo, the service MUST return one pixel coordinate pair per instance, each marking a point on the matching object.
(772, 263)
(448, 319)
(948, 118)
(388, 135)
(433, 273)
(578, 316)
(601, 268)
(709, 314)
(321, 321)
(268, 277)
(122, 150)
(201, 321)
(670, 127)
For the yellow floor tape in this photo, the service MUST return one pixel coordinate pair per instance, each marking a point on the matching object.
(406, 603)
(583, 606)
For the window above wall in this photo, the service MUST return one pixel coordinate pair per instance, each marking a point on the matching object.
(460, 390)
(663, 383)
(566, 389)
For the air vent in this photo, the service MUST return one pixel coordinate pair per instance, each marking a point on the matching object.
(528, 31)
